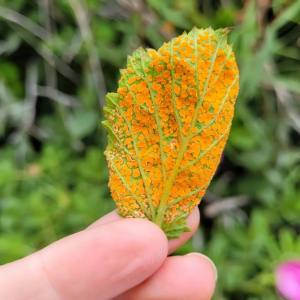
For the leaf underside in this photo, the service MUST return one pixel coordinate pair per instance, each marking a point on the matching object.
(168, 124)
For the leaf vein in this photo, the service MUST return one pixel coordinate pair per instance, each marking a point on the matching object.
(129, 190)
(173, 93)
(188, 195)
(214, 118)
(204, 152)
(156, 118)
(137, 157)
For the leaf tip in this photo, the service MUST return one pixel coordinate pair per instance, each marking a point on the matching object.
(227, 30)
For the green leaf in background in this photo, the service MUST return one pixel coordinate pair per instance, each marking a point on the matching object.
(82, 123)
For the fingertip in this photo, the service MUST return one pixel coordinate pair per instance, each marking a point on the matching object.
(208, 260)
(192, 221)
(110, 217)
(196, 279)
(189, 277)
(105, 260)
(200, 274)
(140, 230)
(145, 236)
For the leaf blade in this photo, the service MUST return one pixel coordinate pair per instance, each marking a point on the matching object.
(177, 104)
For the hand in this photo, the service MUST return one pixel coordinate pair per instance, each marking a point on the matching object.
(114, 258)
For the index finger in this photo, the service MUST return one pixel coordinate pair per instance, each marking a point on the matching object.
(192, 222)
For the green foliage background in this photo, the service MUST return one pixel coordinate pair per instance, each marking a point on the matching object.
(57, 60)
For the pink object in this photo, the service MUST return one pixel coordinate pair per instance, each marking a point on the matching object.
(288, 279)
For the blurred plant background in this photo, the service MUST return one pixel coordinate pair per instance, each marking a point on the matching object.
(58, 58)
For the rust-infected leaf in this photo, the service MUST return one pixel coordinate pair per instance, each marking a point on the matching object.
(168, 124)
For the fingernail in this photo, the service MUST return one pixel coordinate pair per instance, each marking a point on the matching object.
(209, 260)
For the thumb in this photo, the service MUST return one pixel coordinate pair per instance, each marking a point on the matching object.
(98, 263)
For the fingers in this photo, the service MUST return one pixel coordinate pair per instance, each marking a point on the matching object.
(110, 217)
(98, 263)
(192, 222)
(189, 277)
(111, 256)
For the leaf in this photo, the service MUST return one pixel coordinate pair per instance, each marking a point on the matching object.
(82, 123)
(168, 125)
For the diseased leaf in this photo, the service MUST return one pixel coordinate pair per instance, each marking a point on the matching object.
(168, 125)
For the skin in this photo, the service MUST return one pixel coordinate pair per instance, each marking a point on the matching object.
(114, 258)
